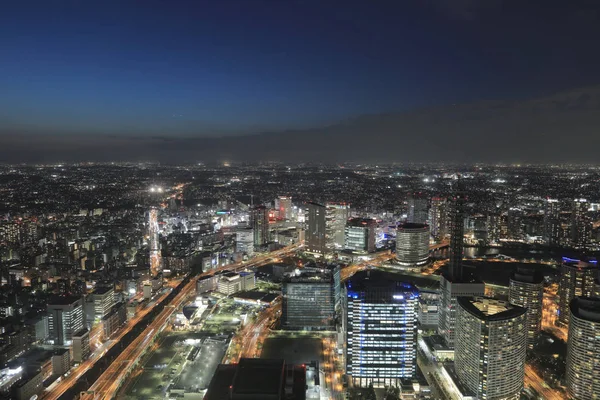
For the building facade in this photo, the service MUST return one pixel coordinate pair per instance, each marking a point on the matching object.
(417, 209)
(360, 235)
(315, 236)
(336, 217)
(583, 349)
(526, 289)
(491, 346)
(65, 317)
(412, 245)
(381, 329)
(259, 221)
(576, 279)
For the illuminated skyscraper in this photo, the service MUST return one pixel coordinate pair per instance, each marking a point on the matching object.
(526, 289)
(552, 226)
(381, 329)
(412, 245)
(581, 224)
(259, 221)
(490, 348)
(336, 218)
(65, 318)
(315, 238)
(417, 208)
(283, 205)
(576, 279)
(360, 235)
(438, 218)
(583, 349)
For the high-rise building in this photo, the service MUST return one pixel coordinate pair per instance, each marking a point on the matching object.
(259, 221)
(526, 289)
(581, 224)
(491, 347)
(309, 299)
(336, 218)
(244, 240)
(583, 349)
(457, 229)
(381, 329)
(438, 218)
(81, 345)
(576, 279)
(552, 226)
(455, 282)
(104, 300)
(412, 245)
(417, 208)
(315, 238)
(360, 235)
(515, 224)
(283, 205)
(449, 291)
(65, 318)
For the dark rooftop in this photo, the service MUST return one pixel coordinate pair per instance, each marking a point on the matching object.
(256, 376)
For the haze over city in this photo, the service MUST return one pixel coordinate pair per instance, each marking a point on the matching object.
(115, 81)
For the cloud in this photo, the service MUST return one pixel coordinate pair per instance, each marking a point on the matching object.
(466, 10)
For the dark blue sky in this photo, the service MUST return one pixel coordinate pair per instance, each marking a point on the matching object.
(219, 67)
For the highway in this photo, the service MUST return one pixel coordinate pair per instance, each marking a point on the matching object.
(58, 390)
(107, 385)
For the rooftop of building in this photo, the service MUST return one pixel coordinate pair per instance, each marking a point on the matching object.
(374, 279)
(101, 290)
(527, 275)
(490, 309)
(412, 226)
(361, 222)
(586, 308)
(258, 376)
(63, 300)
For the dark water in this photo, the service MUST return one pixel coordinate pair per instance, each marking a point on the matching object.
(522, 252)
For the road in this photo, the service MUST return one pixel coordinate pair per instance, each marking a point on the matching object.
(111, 379)
(70, 380)
(536, 382)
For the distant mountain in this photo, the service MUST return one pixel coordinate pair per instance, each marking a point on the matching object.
(561, 127)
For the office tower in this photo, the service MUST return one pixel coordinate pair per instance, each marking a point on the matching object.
(412, 245)
(81, 346)
(454, 282)
(381, 329)
(259, 221)
(337, 215)
(315, 238)
(104, 301)
(360, 235)
(515, 224)
(493, 228)
(309, 299)
(417, 208)
(583, 349)
(244, 240)
(283, 205)
(552, 226)
(491, 345)
(576, 279)
(526, 289)
(581, 224)
(438, 217)
(65, 318)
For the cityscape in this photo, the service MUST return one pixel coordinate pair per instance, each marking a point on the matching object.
(299, 200)
(263, 281)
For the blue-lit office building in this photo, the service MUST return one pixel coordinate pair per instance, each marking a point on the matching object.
(381, 329)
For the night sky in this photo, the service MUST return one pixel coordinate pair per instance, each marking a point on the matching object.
(214, 68)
